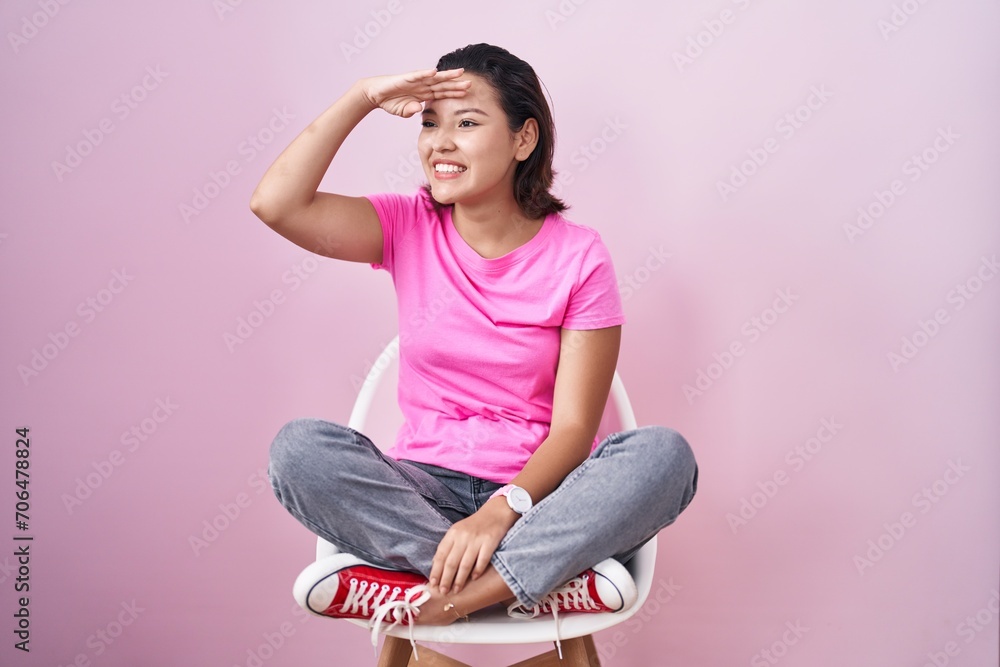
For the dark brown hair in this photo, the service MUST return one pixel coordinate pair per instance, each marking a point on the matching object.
(520, 95)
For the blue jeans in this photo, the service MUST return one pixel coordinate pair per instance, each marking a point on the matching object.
(393, 514)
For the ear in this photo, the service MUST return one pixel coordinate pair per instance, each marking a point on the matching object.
(525, 140)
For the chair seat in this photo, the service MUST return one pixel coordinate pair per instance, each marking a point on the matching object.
(492, 625)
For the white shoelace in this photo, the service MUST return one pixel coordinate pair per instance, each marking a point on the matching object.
(571, 596)
(386, 605)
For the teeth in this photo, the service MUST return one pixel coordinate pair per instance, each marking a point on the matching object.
(448, 168)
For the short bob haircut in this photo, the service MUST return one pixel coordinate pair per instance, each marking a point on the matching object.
(520, 96)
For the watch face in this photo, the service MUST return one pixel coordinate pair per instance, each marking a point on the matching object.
(519, 500)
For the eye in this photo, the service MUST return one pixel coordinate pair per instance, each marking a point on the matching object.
(466, 120)
(427, 123)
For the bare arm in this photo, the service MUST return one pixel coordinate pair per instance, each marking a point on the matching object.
(334, 225)
(587, 361)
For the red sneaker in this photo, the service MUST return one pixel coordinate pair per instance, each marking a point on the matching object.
(605, 588)
(344, 586)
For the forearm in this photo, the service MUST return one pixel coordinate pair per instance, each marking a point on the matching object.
(292, 180)
(558, 455)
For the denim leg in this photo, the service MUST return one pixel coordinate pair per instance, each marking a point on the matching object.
(634, 484)
(340, 486)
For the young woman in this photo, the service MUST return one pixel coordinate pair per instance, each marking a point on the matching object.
(496, 488)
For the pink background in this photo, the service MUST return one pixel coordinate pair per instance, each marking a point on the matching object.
(663, 135)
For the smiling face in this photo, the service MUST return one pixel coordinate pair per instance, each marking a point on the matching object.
(468, 153)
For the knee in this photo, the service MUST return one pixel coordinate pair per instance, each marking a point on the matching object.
(668, 452)
(294, 443)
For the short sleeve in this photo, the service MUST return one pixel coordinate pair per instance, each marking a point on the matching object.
(595, 302)
(390, 207)
(399, 214)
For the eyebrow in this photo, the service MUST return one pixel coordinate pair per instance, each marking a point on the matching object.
(426, 112)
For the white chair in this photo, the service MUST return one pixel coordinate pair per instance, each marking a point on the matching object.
(492, 625)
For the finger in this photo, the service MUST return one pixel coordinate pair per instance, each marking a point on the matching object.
(448, 93)
(420, 74)
(449, 73)
(431, 91)
(437, 563)
(485, 554)
(464, 568)
(410, 108)
(435, 573)
(451, 85)
(448, 574)
(451, 565)
(431, 77)
(457, 90)
(437, 92)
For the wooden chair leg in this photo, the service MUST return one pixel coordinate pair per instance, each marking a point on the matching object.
(429, 658)
(593, 660)
(550, 659)
(578, 652)
(396, 652)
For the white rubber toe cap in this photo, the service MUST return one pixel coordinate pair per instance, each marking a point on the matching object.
(615, 585)
(317, 584)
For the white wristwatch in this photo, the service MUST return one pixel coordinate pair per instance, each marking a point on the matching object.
(518, 499)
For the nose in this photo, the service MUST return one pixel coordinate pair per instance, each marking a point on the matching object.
(442, 140)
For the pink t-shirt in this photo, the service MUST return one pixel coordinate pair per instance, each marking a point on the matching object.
(479, 338)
